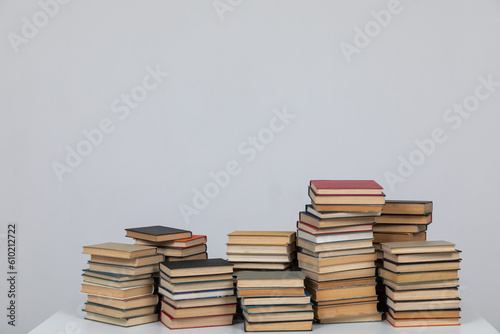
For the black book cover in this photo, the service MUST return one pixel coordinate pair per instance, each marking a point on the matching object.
(197, 264)
(156, 230)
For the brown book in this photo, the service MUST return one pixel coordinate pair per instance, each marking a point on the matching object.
(202, 311)
(157, 233)
(182, 252)
(279, 300)
(334, 246)
(418, 267)
(343, 310)
(270, 292)
(118, 313)
(194, 279)
(407, 207)
(424, 314)
(340, 229)
(119, 250)
(427, 294)
(419, 276)
(341, 275)
(352, 318)
(261, 249)
(195, 322)
(346, 207)
(398, 237)
(336, 260)
(127, 322)
(276, 308)
(313, 220)
(123, 284)
(261, 237)
(337, 267)
(261, 265)
(418, 247)
(280, 316)
(399, 228)
(347, 199)
(422, 285)
(201, 256)
(423, 257)
(123, 270)
(136, 262)
(106, 291)
(404, 219)
(421, 305)
(270, 279)
(179, 243)
(124, 304)
(342, 292)
(282, 326)
(423, 322)
(347, 301)
(339, 283)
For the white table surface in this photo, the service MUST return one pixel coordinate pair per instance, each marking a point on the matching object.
(71, 322)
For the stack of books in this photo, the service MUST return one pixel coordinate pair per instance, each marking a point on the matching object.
(274, 301)
(336, 253)
(400, 221)
(119, 284)
(261, 250)
(174, 243)
(421, 280)
(197, 293)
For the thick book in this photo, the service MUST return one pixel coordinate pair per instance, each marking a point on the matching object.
(157, 233)
(339, 283)
(118, 313)
(182, 252)
(261, 237)
(124, 304)
(335, 260)
(336, 267)
(404, 219)
(122, 284)
(423, 257)
(418, 247)
(270, 292)
(261, 249)
(422, 322)
(334, 246)
(331, 230)
(407, 207)
(345, 187)
(379, 237)
(312, 220)
(340, 275)
(276, 300)
(196, 279)
(341, 214)
(427, 294)
(270, 279)
(200, 302)
(347, 199)
(421, 305)
(179, 243)
(418, 276)
(343, 252)
(196, 267)
(281, 326)
(135, 262)
(197, 286)
(119, 250)
(450, 313)
(348, 309)
(333, 302)
(399, 228)
(201, 311)
(334, 237)
(356, 291)
(195, 294)
(107, 291)
(276, 308)
(126, 322)
(195, 322)
(370, 317)
(279, 316)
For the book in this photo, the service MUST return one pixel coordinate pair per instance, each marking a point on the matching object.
(331, 230)
(399, 228)
(279, 316)
(276, 300)
(195, 294)
(422, 257)
(119, 250)
(276, 308)
(339, 283)
(118, 313)
(345, 187)
(196, 267)
(341, 275)
(114, 277)
(270, 292)
(341, 214)
(123, 270)
(450, 313)
(346, 199)
(126, 322)
(195, 322)
(312, 220)
(427, 294)
(326, 238)
(440, 304)
(124, 304)
(407, 207)
(122, 284)
(418, 276)
(157, 233)
(336, 268)
(262, 265)
(260, 257)
(135, 262)
(355, 291)
(107, 291)
(182, 252)
(334, 246)
(398, 237)
(281, 326)
(270, 279)
(261, 249)
(335, 260)
(261, 237)
(424, 266)
(339, 252)
(202, 311)
(364, 299)
(404, 219)
(423, 322)
(195, 279)
(418, 247)
(347, 207)
(352, 318)
(179, 243)
(349, 309)
(197, 286)
(200, 256)
(200, 302)
(453, 283)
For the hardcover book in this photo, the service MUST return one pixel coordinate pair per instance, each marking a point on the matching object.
(157, 233)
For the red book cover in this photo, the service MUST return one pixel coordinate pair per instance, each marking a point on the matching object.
(345, 187)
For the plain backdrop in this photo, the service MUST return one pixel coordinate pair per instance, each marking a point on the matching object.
(227, 77)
